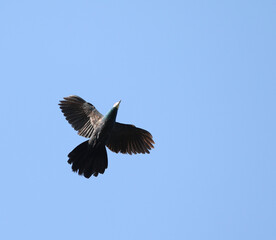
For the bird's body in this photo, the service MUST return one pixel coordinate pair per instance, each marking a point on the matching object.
(90, 157)
(103, 129)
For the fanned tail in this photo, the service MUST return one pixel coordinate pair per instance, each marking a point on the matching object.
(87, 160)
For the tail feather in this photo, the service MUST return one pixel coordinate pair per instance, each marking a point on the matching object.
(99, 163)
(88, 161)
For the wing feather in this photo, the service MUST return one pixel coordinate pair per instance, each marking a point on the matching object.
(82, 116)
(126, 138)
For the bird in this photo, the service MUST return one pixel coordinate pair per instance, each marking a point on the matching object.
(90, 157)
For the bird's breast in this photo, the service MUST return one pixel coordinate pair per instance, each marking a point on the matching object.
(101, 133)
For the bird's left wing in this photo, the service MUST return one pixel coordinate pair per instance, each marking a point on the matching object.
(82, 115)
(129, 139)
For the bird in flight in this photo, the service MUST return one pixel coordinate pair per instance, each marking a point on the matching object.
(90, 157)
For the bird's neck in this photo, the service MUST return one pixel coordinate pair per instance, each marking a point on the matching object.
(111, 115)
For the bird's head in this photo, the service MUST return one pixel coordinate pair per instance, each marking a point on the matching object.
(113, 111)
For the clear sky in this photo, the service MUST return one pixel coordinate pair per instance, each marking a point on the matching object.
(199, 75)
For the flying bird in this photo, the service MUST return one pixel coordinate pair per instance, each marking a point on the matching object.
(90, 157)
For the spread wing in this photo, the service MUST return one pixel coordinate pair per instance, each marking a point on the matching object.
(129, 139)
(82, 115)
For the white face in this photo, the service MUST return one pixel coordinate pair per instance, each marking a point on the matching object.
(116, 105)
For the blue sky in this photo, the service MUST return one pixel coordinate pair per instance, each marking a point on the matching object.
(199, 75)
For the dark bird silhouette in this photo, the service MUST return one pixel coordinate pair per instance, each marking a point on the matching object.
(90, 157)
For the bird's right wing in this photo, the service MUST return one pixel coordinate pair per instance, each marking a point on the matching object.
(82, 115)
(126, 138)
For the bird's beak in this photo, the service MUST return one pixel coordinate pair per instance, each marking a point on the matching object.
(116, 105)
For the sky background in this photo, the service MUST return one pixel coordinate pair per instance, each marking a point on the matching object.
(199, 75)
